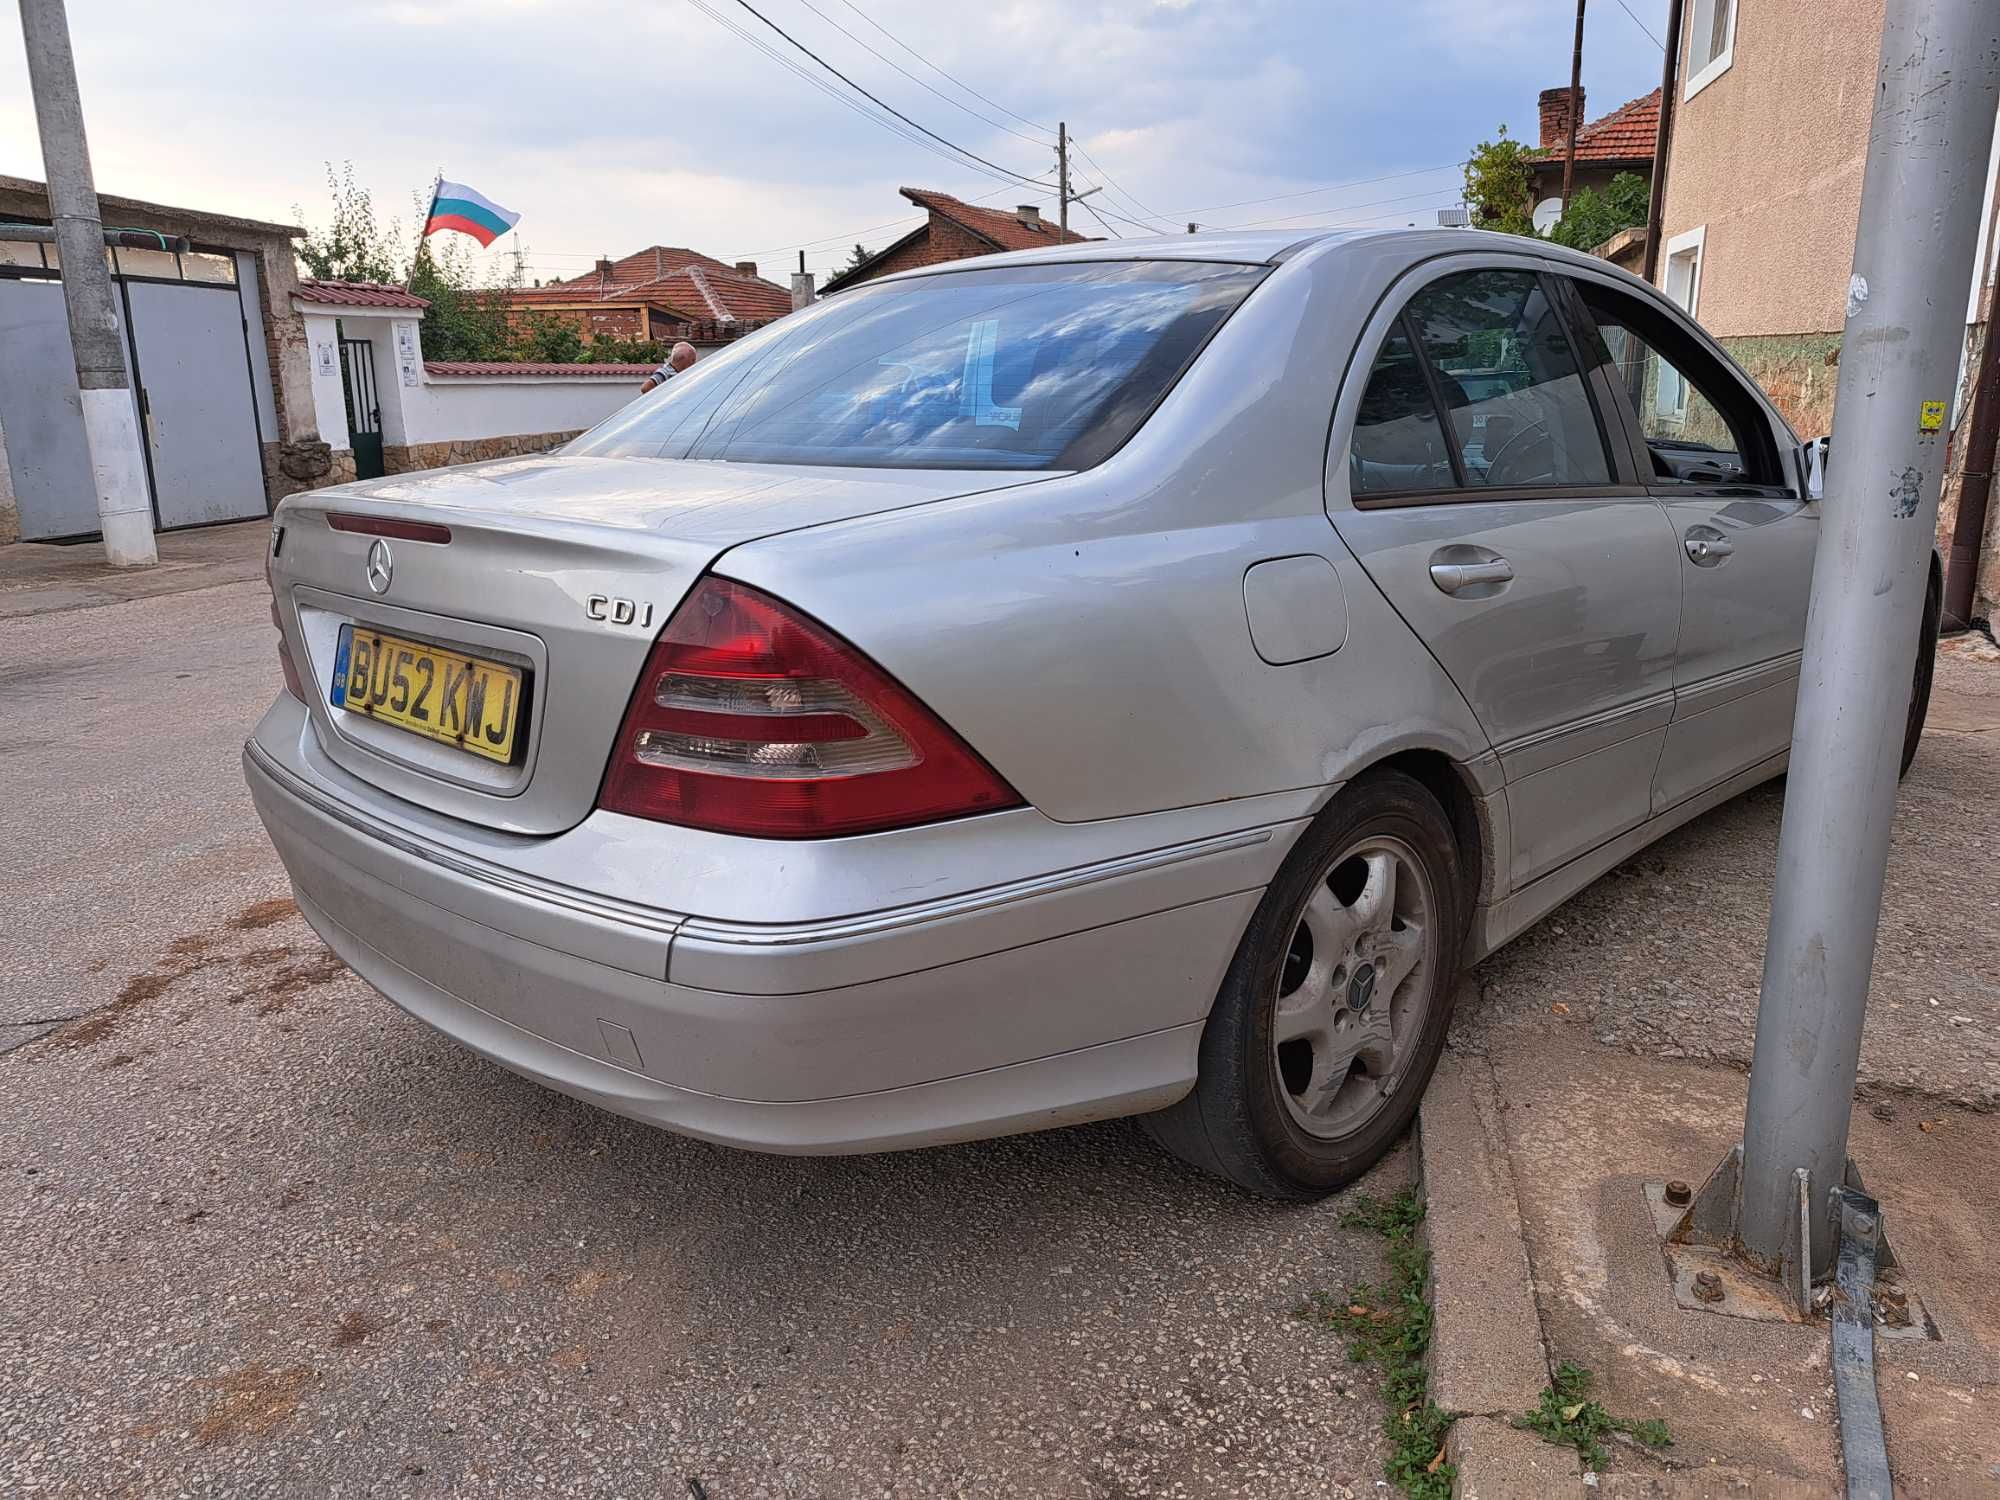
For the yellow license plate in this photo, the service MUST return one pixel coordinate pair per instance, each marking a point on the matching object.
(443, 695)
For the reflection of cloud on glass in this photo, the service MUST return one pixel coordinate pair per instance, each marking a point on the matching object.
(964, 368)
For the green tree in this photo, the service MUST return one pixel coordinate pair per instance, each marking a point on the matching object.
(1497, 176)
(465, 321)
(1594, 217)
(351, 246)
(858, 257)
(609, 351)
(546, 339)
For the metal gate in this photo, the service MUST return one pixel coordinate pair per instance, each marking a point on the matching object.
(364, 409)
(196, 403)
(187, 354)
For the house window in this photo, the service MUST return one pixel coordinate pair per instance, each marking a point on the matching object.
(1682, 284)
(1711, 42)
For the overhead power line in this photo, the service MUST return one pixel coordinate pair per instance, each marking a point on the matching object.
(800, 71)
(891, 62)
(1035, 124)
(1642, 25)
(879, 102)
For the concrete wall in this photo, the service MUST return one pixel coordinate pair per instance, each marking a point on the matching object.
(458, 409)
(1769, 157)
(429, 421)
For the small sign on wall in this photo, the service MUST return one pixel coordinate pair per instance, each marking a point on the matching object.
(325, 360)
(406, 341)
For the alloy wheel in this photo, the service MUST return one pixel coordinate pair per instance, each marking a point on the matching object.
(1354, 987)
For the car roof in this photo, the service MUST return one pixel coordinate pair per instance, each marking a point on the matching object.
(1258, 247)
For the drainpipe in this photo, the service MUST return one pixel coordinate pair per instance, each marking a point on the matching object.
(1663, 140)
(1982, 434)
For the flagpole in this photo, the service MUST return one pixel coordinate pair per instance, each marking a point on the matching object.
(423, 229)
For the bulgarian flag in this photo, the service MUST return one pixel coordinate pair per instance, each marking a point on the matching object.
(456, 206)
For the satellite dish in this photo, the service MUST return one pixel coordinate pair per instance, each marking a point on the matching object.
(1546, 213)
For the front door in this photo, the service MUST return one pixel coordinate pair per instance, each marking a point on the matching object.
(364, 408)
(196, 402)
(1746, 541)
(1490, 510)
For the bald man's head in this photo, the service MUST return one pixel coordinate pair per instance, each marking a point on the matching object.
(681, 355)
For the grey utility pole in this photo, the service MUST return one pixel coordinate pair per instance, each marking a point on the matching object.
(110, 423)
(1062, 176)
(1936, 90)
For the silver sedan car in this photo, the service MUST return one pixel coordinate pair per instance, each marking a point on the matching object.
(1126, 679)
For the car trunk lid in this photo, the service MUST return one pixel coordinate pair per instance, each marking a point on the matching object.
(560, 571)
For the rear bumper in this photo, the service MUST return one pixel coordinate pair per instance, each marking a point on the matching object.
(1076, 995)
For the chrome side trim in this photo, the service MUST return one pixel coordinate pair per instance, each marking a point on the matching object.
(1739, 682)
(1566, 742)
(670, 923)
(870, 923)
(548, 892)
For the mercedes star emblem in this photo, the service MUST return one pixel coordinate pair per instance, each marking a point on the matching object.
(381, 567)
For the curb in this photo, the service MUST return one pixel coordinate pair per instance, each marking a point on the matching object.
(1488, 1362)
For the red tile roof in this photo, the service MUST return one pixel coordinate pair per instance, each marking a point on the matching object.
(525, 369)
(358, 294)
(697, 287)
(1002, 227)
(1626, 134)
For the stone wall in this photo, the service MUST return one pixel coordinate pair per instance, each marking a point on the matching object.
(405, 458)
(1798, 371)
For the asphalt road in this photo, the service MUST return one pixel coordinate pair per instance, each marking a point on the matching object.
(261, 1234)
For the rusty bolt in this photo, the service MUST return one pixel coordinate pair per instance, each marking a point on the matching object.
(1707, 1286)
(1679, 1194)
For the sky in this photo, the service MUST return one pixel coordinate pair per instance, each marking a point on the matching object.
(609, 128)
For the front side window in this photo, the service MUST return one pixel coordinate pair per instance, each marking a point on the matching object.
(1023, 367)
(1698, 423)
(1515, 402)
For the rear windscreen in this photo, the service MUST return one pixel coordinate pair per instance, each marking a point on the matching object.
(1024, 367)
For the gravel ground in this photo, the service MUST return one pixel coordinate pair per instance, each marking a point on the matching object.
(261, 1234)
(1664, 957)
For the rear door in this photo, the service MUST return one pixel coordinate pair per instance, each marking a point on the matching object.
(1745, 533)
(1474, 479)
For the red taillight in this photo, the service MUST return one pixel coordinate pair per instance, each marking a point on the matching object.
(752, 719)
(404, 531)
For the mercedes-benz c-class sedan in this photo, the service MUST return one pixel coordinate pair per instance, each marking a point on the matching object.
(1133, 678)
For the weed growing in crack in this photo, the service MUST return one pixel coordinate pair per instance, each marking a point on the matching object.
(1568, 1418)
(1389, 1325)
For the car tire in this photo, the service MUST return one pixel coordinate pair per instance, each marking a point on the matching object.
(1926, 667)
(1266, 1111)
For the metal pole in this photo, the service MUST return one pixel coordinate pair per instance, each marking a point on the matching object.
(1062, 175)
(1663, 138)
(1936, 87)
(1575, 105)
(110, 422)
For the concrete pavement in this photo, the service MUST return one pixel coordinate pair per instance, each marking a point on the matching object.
(262, 1234)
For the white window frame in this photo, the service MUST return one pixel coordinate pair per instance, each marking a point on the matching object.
(1671, 399)
(1717, 65)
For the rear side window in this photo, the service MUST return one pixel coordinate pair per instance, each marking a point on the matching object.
(1026, 367)
(1514, 398)
(1398, 442)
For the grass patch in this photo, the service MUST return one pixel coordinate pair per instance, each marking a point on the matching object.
(1568, 1418)
(1389, 1325)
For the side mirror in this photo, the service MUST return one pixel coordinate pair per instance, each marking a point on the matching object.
(1812, 460)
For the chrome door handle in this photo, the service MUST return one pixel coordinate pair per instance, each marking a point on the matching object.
(1452, 577)
(1709, 549)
